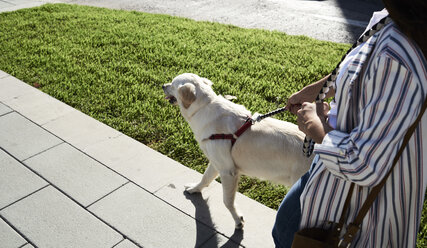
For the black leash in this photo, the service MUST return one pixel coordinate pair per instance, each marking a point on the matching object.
(308, 145)
(275, 112)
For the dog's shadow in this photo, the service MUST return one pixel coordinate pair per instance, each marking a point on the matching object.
(203, 219)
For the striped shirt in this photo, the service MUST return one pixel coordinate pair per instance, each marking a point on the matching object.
(379, 97)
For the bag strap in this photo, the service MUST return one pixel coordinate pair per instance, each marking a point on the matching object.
(354, 227)
(335, 234)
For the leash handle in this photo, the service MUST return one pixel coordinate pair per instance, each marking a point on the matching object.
(308, 146)
(308, 142)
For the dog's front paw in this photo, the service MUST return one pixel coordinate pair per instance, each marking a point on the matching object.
(192, 188)
(241, 223)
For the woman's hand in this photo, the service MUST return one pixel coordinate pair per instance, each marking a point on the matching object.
(307, 94)
(312, 120)
(295, 101)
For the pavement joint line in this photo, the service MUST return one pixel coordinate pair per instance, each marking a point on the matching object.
(118, 243)
(114, 190)
(45, 150)
(22, 198)
(7, 113)
(23, 245)
(160, 188)
(17, 231)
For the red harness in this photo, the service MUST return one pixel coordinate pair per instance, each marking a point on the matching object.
(248, 123)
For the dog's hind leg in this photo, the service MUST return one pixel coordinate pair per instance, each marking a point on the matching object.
(229, 183)
(210, 174)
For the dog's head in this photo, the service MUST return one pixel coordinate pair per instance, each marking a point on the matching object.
(188, 90)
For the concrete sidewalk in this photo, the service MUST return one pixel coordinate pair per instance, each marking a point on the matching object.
(68, 180)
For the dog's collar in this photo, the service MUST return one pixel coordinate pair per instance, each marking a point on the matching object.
(233, 137)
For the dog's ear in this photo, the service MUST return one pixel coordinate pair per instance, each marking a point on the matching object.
(207, 81)
(187, 94)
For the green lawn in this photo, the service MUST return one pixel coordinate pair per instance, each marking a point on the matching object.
(111, 64)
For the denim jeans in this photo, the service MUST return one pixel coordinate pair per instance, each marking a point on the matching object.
(288, 216)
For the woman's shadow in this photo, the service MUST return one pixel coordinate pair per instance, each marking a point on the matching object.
(203, 219)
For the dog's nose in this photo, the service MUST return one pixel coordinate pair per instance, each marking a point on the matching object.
(163, 87)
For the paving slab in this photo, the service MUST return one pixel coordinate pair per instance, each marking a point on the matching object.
(16, 181)
(149, 221)
(80, 130)
(3, 74)
(79, 176)
(37, 106)
(29, 101)
(9, 238)
(259, 221)
(22, 138)
(196, 205)
(208, 207)
(4, 109)
(139, 163)
(12, 87)
(50, 219)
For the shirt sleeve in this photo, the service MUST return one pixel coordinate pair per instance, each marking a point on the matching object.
(392, 100)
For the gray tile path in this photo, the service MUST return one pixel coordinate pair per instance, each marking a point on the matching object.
(67, 180)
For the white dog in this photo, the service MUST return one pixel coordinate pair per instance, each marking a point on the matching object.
(270, 149)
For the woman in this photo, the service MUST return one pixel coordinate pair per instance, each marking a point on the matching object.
(378, 94)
